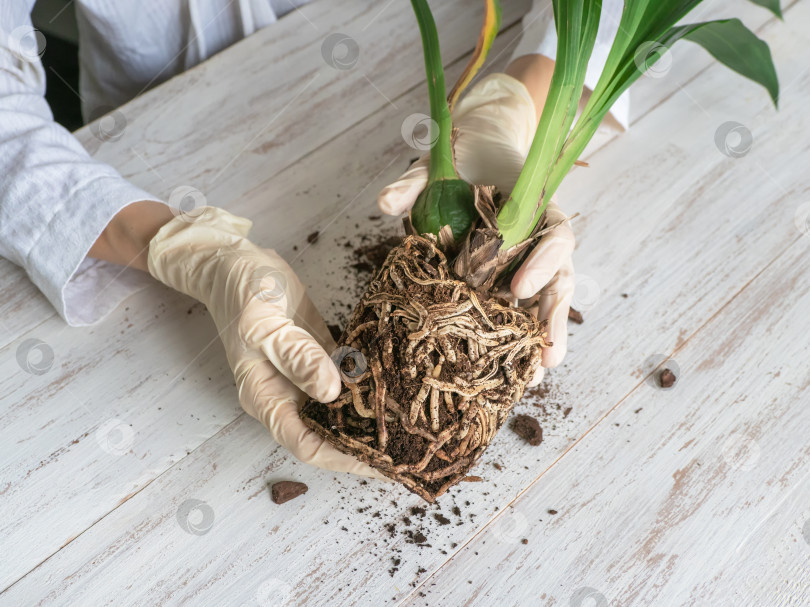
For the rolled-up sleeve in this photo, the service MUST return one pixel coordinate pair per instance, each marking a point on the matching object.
(55, 200)
(539, 37)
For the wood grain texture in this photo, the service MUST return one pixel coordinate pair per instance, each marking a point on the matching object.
(120, 513)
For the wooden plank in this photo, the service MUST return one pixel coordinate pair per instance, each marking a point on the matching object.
(195, 131)
(695, 495)
(302, 562)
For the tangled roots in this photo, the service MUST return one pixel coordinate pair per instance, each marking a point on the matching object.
(431, 369)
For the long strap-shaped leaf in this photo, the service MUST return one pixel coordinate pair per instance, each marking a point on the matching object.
(489, 30)
(577, 22)
(646, 30)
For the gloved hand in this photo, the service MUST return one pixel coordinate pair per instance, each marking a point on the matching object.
(275, 340)
(496, 121)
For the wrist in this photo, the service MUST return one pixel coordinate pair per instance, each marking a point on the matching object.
(125, 240)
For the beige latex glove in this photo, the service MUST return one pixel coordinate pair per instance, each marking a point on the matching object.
(496, 121)
(275, 340)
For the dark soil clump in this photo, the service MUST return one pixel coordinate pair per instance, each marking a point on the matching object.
(284, 491)
(528, 428)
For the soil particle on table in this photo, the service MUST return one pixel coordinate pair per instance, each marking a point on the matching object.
(524, 541)
(552, 511)
(313, 238)
(497, 466)
(575, 316)
(442, 519)
(456, 510)
(472, 479)
(527, 428)
(666, 378)
(284, 491)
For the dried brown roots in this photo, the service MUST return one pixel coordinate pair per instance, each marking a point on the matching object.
(431, 370)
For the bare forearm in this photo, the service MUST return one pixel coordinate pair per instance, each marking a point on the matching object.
(125, 240)
(535, 72)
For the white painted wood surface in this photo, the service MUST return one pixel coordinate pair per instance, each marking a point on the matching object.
(701, 497)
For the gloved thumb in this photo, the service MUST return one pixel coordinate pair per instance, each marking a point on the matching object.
(400, 196)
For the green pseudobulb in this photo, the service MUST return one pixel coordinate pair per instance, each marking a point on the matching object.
(442, 203)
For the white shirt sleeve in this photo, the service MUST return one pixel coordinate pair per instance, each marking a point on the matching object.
(540, 38)
(55, 200)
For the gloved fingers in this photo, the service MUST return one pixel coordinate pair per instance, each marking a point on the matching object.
(543, 263)
(311, 449)
(272, 399)
(538, 377)
(552, 305)
(303, 361)
(398, 197)
(307, 317)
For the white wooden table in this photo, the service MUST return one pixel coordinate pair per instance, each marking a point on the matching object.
(697, 495)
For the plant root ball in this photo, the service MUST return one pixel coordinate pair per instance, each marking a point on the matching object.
(431, 370)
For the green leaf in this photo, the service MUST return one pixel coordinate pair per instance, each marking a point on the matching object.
(736, 47)
(646, 30)
(577, 22)
(489, 30)
(447, 202)
(771, 5)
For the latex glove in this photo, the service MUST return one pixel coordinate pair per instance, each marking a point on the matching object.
(274, 338)
(496, 121)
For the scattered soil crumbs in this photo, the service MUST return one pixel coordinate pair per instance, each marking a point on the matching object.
(497, 466)
(313, 238)
(284, 491)
(552, 511)
(524, 541)
(575, 316)
(527, 428)
(667, 378)
(443, 520)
